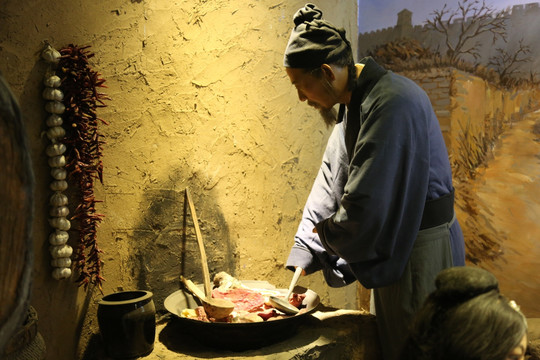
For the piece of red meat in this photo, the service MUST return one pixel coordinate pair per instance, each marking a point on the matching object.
(267, 313)
(297, 299)
(201, 314)
(243, 299)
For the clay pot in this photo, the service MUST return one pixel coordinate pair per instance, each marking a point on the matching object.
(127, 322)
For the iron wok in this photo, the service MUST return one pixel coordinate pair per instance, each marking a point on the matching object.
(241, 336)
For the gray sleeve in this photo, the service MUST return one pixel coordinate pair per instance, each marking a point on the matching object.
(323, 201)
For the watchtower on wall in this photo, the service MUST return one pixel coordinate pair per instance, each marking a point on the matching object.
(404, 24)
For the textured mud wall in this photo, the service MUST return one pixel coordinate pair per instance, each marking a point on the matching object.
(199, 99)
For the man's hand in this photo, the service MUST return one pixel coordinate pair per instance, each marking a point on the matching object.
(303, 273)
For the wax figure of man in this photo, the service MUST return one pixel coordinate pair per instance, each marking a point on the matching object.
(381, 209)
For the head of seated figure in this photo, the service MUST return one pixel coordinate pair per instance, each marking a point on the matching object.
(467, 318)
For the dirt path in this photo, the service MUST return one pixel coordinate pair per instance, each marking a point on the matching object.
(509, 189)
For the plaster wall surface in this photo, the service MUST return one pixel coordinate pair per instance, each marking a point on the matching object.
(199, 99)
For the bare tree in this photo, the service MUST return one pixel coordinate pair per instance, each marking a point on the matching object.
(474, 19)
(506, 62)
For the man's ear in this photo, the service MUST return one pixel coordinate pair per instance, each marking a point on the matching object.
(328, 72)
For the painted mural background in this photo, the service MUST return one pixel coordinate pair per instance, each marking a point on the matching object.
(497, 167)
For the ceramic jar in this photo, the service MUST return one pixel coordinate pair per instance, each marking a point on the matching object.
(127, 322)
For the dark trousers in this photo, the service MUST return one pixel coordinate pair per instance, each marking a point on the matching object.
(396, 304)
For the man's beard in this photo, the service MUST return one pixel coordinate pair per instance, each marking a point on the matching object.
(329, 116)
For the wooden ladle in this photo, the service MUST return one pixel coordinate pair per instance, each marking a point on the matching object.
(216, 308)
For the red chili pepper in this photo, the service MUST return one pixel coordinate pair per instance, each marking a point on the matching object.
(84, 143)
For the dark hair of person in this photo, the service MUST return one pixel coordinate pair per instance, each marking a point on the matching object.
(345, 60)
(467, 326)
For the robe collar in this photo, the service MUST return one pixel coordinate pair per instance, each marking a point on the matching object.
(369, 76)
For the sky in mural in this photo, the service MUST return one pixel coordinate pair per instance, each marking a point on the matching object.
(380, 14)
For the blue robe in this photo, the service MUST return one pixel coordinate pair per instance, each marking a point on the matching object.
(382, 163)
(368, 198)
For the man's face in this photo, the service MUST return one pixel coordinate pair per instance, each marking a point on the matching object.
(316, 90)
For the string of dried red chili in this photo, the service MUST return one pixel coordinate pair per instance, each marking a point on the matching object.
(84, 143)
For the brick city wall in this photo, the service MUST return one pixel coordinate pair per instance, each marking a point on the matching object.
(465, 103)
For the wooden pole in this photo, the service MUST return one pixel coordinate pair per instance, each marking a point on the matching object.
(204, 263)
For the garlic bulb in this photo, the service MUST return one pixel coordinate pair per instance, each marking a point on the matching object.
(60, 223)
(55, 149)
(61, 273)
(58, 185)
(59, 211)
(56, 132)
(53, 94)
(63, 262)
(51, 55)
(58, 199)
(58, 173)
(60, 251)
(57, 161)
(54, 120)
(58, 237)
(52, 81)
(55, 107)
